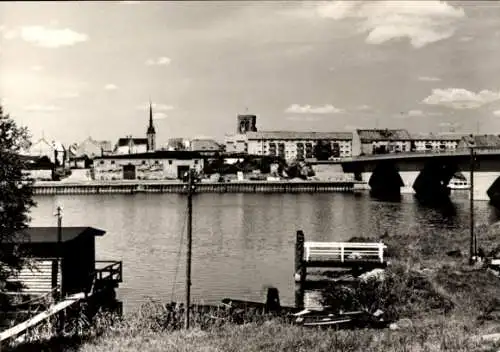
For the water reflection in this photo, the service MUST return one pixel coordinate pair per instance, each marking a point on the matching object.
(242, 243)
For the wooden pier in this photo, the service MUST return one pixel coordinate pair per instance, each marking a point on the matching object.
(126, 187)
(359, 257)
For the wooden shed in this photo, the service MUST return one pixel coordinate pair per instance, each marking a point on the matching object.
(69, 264)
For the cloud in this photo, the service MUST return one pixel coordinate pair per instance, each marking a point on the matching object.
(308, 109)
(47, 37)
(429, 79)
(36, 68)
(159, 115)
(303, 118)
(42, 108)
(156, 107)
(496, 112)
(415, 113)
(110, 86)
(466, 38)
(364, 107)
(459, 98)
(422, 22)
(160, 61)
(130, 2)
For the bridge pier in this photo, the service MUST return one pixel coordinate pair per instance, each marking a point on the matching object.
(386, 182)
(431, 185)
(494, 193)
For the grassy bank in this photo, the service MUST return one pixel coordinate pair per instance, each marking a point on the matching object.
(438, 301)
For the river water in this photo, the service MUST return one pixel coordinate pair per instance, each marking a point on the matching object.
(242, 243)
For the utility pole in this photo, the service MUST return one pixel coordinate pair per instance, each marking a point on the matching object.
(59, 245)
(471, 206)
(190, 192)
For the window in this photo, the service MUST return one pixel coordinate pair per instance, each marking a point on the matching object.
(196, 162)
(170, 162)
(144, 162)
(101, 162)
(112, 162)
(156, 162)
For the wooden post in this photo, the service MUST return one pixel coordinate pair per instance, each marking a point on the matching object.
(300, 267)
(60, 253)
(190, 191)
(471, 206)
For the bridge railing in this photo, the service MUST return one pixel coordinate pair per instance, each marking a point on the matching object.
(479, 150)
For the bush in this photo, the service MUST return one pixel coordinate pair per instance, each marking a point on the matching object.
(402, 293)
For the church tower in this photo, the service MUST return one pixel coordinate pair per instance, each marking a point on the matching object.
(151, 133)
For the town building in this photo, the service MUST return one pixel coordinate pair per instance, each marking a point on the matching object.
(205, 146)
(131, 145)
(380, 141)
(38, 168)
(435, 142)
(55, 151)
(236, 143)
(291, 145)
(288, 145)
(158, 165)
(483, 140)
(246, 123)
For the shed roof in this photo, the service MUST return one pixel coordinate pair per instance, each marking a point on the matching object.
(369, 135)
(48, 234)
(295, 135)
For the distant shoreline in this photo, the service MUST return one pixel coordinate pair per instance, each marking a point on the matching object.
(176, 186)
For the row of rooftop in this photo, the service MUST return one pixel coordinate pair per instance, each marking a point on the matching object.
(286, 144)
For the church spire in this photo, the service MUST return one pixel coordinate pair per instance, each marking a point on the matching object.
(150, 114)
(151, 133)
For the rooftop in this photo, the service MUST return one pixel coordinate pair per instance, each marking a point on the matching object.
(437, 136)
(49, 234)
(159, 154)
(124, 142)
(485, 140)
(369, 135)
(292, 135)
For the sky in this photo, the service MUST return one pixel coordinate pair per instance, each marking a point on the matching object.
(70, 70)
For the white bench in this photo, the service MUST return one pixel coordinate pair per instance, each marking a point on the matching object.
(345, 250)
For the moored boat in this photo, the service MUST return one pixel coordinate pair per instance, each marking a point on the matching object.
(456, 183)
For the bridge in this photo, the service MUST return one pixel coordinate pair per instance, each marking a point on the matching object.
(435, 170)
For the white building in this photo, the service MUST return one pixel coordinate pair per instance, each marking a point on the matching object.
(159, 165)
(379, 141)
(53, 151)
(292, 145)
(131, 145)
(435, 142)
(236, 143)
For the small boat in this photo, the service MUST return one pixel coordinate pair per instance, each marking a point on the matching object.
(456, 183)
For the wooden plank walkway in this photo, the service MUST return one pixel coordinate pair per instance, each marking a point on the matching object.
(54, 309)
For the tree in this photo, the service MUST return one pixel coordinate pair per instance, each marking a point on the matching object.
(323, 150)
(15, 199)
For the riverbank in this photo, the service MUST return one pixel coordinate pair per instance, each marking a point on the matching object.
(438, 303)
(143, 186)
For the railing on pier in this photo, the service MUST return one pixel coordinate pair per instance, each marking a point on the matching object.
(344, 251)
(336, 255)
(109, 270)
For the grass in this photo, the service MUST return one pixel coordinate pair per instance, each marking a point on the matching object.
(439, 302)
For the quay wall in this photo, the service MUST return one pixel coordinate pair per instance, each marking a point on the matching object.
(124, 187)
